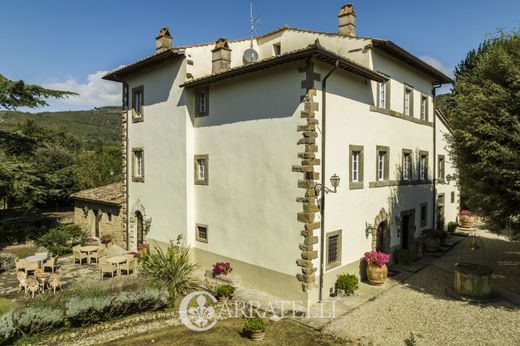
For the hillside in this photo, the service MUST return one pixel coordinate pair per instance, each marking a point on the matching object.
(102, 123)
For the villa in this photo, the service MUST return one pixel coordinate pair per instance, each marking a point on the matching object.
(289, 154)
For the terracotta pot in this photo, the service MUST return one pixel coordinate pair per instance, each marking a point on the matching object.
(466, 221)
(432, 244)
(257, 336)
(376, 275)
(222, 299)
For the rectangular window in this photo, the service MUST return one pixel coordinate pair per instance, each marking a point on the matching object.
(424, 214)
(277, 49)
(356, 166)
(333, 250)
(441, 174)
(138, 165)
(408, 101)
(382, 95)
(201, 233)
(407, 165)
(202, 102)
(453, 197)
(109, 217)
(423, 165)
(137, 103)
(382, 163)
(201, 169)
(424, 108)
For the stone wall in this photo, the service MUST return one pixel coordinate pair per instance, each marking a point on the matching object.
(110, 220)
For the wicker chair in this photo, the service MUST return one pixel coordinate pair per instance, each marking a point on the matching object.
(107, 268)
(20, 264)
(55, 282)
(97, 255)
(51, 263)
(31, 266)
(22, 279)
(33, 285)
(129, 266)
(78, 255)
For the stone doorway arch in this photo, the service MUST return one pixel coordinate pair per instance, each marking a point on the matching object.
(381, 238)
(138, 225)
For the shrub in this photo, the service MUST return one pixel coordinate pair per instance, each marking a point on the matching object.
(85, 311)
(348, 283)
(58, 239)
(225, 291)
(30, 320)
(254, 324)
(452, 227)
(222, 268)
(402, 256)
(171, 269)
(7, 261)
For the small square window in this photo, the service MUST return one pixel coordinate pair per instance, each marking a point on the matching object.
(333, 249)
(201, 233)
(138, 165)
(424, 214)
(201, 169)
(277, 49)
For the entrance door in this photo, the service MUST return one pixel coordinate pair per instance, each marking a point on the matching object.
(139, 220)
(408, 230)
(383, 237)
(440, 212)
(96, 223)
(405, 228)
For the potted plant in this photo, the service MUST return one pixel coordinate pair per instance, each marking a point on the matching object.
(377, 271)
(346, 284)
(142, 248)
(225, 292)
(106, 239)
(221, 268)
(432, 240)
(255, 328)
(466, 219)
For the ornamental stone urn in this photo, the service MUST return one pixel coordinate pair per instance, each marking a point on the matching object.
(377, 275)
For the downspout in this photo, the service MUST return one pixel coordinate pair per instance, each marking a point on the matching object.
(434, 180)
(127, 198)
(322, 190)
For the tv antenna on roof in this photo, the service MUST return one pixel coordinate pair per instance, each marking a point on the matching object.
(251, 55)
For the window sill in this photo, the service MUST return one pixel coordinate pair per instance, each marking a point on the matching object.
(400, 115)
(385, 183)
(201, 182)
(356, 185)
(138, 179)
(333, 265)
(137, 119)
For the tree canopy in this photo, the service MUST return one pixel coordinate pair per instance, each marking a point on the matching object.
(15, 94)
(484, 111)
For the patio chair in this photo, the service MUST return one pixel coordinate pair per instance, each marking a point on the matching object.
(129, 256)
(97, 255)
(55, 282)
(45, 254)
(33, 285)
(20, 264)
(78, 255)
(107, 268)
(31, 266)
(102, 246)
(51, 263)
(129, 266)
(22, 279)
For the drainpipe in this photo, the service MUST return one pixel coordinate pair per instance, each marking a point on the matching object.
(322, 190)
(125, 178)
(434, 180)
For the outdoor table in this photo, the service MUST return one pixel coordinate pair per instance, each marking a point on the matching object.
(117, 260)
(89, 249)
(42, 277)
(35, 258)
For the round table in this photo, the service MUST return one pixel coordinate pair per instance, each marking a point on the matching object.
(42, 277)
(36, 258)
(89, 249)
(117, 260)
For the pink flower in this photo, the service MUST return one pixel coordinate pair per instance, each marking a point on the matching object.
(376, 257)
(221, 268)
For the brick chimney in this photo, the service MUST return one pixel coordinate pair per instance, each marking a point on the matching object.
(347, 20)
(221, 56)
(163, 41)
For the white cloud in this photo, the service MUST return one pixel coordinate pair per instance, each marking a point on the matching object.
(437, 64)
(96, 92)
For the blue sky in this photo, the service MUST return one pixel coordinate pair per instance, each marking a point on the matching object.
(70, 44)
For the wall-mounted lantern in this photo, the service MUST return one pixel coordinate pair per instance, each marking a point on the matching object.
(334, 181)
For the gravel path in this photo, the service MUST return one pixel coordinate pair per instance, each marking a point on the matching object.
(421, 307)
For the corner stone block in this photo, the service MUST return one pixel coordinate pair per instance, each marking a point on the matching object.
(309, 255)
(311, 208)
(306, 278)
(304, 264)
(302, 169)
(312, 226)
(311, 241)
(305, 247)
(305, 217)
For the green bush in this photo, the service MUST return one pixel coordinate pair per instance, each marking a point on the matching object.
(6, 261)
(402, 256)
(452, 227)
(225, 291)
(254, 324)
(348, 283)
(58, 239)
(30, 320)
(171, 269)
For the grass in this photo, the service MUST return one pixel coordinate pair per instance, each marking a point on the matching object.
(21, 251)
(5, 305)
(228, 332)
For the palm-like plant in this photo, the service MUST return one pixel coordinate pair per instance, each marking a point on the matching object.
(171, 268)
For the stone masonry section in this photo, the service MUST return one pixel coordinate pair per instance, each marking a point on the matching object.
(310, 209)
(124, 206)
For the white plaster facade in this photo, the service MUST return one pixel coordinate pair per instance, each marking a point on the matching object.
(250, 136)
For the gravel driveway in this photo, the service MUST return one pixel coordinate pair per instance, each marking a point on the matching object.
(421, 307)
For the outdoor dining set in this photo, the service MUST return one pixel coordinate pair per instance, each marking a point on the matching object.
(116, 264)
(40, 279)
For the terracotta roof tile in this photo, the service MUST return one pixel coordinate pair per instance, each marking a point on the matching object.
(111, 194)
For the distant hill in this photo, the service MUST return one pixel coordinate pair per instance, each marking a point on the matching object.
(103, 123)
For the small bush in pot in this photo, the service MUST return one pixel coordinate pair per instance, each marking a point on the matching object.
(346, 284)
(225, 292)
(255, 328)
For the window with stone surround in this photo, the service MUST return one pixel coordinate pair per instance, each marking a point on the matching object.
(382, 163)
(202, 102)
(333, 249)
(138, 104)
(424, 107)
(408, 101)
(423, 165)
(441, 175)
(424, 214)
(201, 233)
(406, 169)
(356, 166)
(383, 93)
(138, 165)
(452, 196)
(201, 169)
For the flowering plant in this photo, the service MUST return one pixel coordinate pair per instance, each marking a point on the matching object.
(376, 257)
(221, 268)
(143, 246)
(106, 238)
(466, 213)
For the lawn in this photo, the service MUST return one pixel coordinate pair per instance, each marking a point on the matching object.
(5, 305)
(21, 251)
(228, 332)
